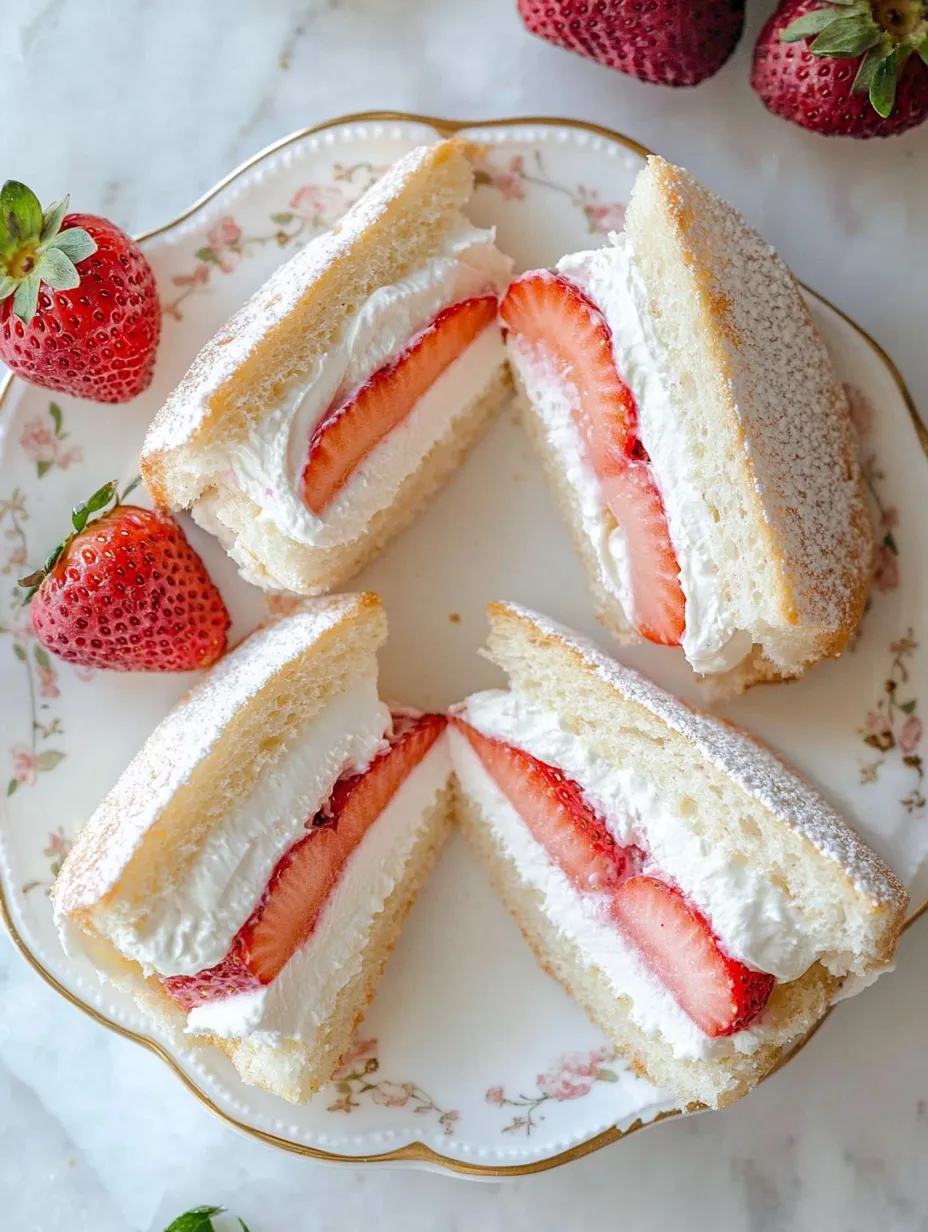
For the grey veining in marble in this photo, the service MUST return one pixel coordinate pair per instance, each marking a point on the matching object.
(136, 107)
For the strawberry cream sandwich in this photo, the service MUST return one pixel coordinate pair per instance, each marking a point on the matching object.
(697, 437)
(701, 901)
(249, 873)
(321, 418)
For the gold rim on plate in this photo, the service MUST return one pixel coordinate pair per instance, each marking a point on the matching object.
(413, 1152)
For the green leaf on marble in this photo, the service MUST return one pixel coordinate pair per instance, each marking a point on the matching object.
(198, 1219)
(49, 759)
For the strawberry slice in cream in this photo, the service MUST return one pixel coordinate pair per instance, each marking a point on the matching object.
(580, 342)
(405, 365)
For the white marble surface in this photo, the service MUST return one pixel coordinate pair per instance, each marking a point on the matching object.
(137, 106)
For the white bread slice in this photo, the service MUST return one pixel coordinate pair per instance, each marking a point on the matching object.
(730, 791)
(234, 727)
(240, 379)
(764, 421)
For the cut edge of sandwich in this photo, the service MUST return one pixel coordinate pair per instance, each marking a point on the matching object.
(293, 1069)
(275, 340)
(760, 399)
(765, 421)
(757, 809)
(208, 753)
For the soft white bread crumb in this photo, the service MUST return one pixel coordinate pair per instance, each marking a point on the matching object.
(734, 793)
(242, 376)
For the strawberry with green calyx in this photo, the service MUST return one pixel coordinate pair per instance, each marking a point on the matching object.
(79, 309)
(125, 590)
(855, 68)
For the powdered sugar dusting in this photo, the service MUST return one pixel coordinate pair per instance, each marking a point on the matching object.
(754, 767)
(223, 355)
(107, 842)
(798, 436)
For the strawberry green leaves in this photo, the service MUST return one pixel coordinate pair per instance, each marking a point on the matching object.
(34, 249)
(883, 35)
(809, 24)
(847, 37)
(80, 515)
(100, 499)
(199, 1219)
(882, 85)
(21, 211)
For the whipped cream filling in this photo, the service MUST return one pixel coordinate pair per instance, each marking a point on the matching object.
(583, 920)
(756, 921)
(301, 999)
(268, 464)
(712, 641)
(193, 927)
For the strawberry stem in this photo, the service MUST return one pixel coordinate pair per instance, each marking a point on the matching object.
(80, 516)
(34, 249)
(883, 33)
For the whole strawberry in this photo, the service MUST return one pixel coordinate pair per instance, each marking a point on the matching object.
(855, 68)
(79, 308)
(670, 42)
(127, 591)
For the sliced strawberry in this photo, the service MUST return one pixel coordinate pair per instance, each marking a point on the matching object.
(548, 311)
(357, 424)
(721, 996)
(554, 809)
(657, 596)
(306, 875)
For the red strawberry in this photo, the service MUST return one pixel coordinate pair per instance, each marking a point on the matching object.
(671, 42)
(858, 68)
(636, 505)
(79, 308)
(354, 427)
(554, 809)
(305, 876)
(127, 591)
(721, 996)
(547, 311)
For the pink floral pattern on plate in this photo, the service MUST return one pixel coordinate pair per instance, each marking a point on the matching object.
(312, 209)
(356, 1080)
(573, 1076)
(44, 440)
(510, 176)
(56, 848)
(893, 727)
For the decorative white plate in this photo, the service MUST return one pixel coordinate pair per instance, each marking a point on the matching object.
(470, 1058)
